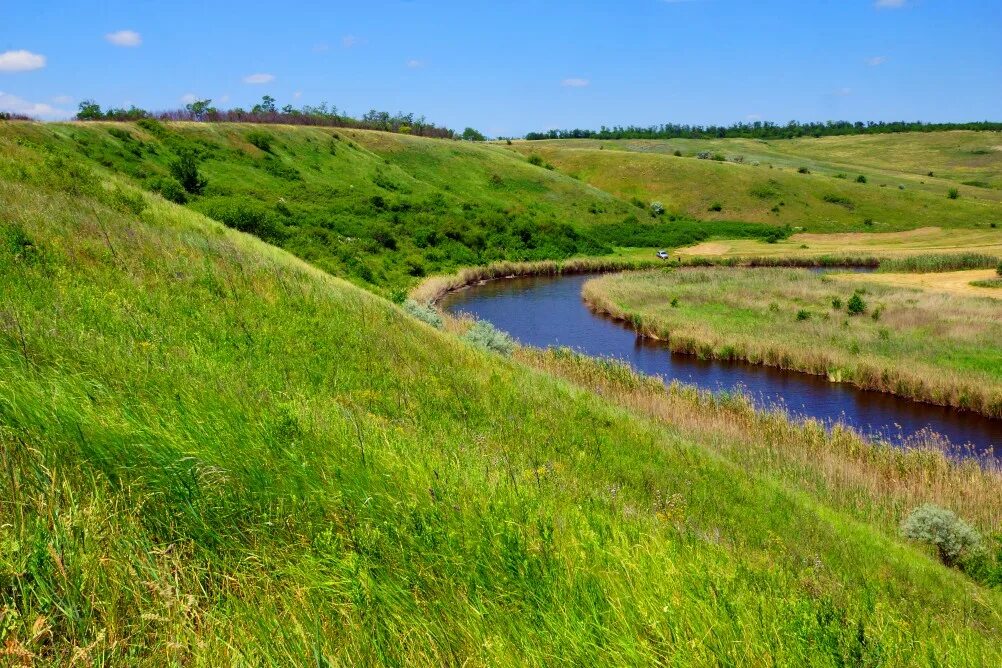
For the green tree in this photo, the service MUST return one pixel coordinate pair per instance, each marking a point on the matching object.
(89, 110)
(200, 108)
(469, 134)
(266, 106)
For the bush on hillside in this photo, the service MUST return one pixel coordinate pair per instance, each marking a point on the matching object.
(185, 170)
(657, 208)
(169, 189)
(486, 336)
(260, 139)
(860, 179)
(941, 528)
(536, 160)
(998, 270)
(426, 313)
(953, 193)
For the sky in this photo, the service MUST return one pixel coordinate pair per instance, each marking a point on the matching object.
(507, 68)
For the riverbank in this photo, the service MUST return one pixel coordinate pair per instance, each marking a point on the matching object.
(904, 342)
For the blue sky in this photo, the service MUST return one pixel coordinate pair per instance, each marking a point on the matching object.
(510, 67)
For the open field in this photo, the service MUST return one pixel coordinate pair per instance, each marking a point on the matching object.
(215, 453)
(890, 244)
(767, 186)
(934, 347)
(947, 282)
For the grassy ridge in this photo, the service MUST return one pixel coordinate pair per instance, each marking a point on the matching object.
(214, 453)
(768, 186)
(932, 347)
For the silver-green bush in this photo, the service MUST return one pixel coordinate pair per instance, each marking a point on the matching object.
(423, 312)
(485, 335)
(951, 536)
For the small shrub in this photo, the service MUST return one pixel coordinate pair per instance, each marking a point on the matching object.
(877, 312)
(677, 153)
(837, 303)
(260, 139)
(941, 528)
(674, 302)
(930, 174)
(170, 190)
(803, 170)
(803, 314)
(486, 336)
(953, 193)
(536, 160)
(832, 198)
(868, 222)
(703, 155)
(185, 170)
(855, 305)
(841, 175)
(998, 269)
(719, 157)
(716, 206)
(426, 313)
(657, 209)
(860, 179)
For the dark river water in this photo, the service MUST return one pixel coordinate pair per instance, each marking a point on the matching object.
(548, 311)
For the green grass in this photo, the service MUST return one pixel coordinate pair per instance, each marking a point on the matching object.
(933, 347)
(214, 453)
(988, 283)
(937, 262)
(767, 186)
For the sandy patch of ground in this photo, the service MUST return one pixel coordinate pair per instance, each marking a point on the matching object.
(952, 282)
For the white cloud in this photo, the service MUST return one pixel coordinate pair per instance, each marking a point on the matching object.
(575, 83)
(349, 41)
(297, 94)
(188, 98)
(889, 4)
(20, 61)
(62, 99)
(17, 105)
(876, 60)
(260, 78)
(415, 64)
(124, 38)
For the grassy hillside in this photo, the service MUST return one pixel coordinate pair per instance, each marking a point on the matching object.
(767, 186)
(941, 348)
(214, 453)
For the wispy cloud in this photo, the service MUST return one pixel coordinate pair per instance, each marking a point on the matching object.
(188, 98)
(415, 64)
(322, 47)
(62, 99)
(349, 41)
(259, 78)
(20, 61)
(296, 95)
(876, 60)
(17, 105)
(124, 38)
(575, 83)
(889, 4)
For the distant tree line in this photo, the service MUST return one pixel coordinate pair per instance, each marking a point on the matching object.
(11, 116)
(761, 130)
(266, 111)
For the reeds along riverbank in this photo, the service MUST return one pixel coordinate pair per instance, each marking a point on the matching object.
(789, 349)
(435, 287)
(876, 482)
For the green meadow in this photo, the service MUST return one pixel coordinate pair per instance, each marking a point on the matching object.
(811, 184)
(218, 449)
(931, 346)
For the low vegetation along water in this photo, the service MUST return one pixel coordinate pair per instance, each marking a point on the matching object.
(549, 311)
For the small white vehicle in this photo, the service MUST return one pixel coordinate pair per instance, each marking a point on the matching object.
(663, 254)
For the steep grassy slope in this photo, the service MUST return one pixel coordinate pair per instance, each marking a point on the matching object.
(213, 453)
(380, 209)
(768, 186)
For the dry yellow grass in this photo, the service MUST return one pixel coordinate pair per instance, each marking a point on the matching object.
(885, 244)
(950, 282)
